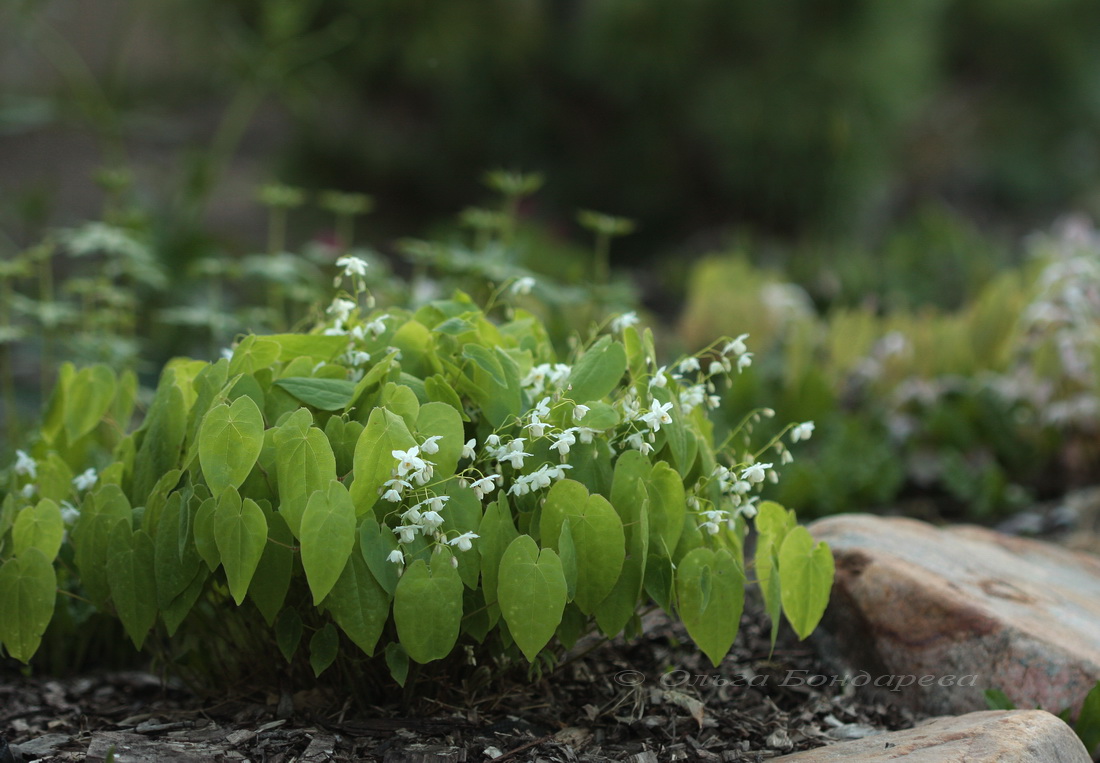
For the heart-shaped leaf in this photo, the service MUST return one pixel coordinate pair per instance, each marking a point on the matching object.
(327, 537)
(427, 608)
(806, 579)
(710, 590)
(240, 531)
(230, 440)
(28, 590)
(532, 593)
(131, 574)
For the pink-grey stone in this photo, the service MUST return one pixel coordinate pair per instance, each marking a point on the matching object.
(913, 600)
(993, 736)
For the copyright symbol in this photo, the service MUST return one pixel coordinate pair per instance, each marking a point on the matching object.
(630, 678)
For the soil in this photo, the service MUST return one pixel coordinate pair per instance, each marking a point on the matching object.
(653, 699)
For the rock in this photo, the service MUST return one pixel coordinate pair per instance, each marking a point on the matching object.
(953, 612)
(992, 736)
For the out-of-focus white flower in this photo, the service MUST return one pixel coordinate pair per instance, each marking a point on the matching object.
(736, 347)
(85, 479)
(26, 465)
(624, 321)
(377, 326)
(341, 309)
(688, 365)
(523, 285)
(803, 431)
(755, 473)
(352, 265)
(744, 361)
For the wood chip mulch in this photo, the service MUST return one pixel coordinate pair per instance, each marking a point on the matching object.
(653, 699)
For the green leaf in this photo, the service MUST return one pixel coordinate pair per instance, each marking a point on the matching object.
(131, 575)
(630, 498)
(230, 441)
(532, 593)
(315, 346)
(487, 361)
(598, 539)
(240, 531)
(1088, 720)
(427, 608)
(323, 646)
(327, 538)
(667, 508)
(173, 573)
(40, 527)
(711, 620)
(288, 632)
(996, 699)
(304, 463)
(766, 562)
(385, 432)
(497, 531)
(439, 391)
(28, 591)
(806, 579)
(180, 606)
(598, 371)
(402, 401)
(206, 542)
(322, 394)
(91, 535)
(441, 420)
(397, 660)
(252, 354)
(55, 478)
(358, 604)
(375, 545)
(272, 579)
(88, 400)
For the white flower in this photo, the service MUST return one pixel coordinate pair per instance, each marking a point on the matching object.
(736, 347)
(580, 411)
(430, 520)
(336, 330)
(408, 460)
(492, 441)
(353, 266)
(537, 426)
(484, 486)
(358, 358)
(24, 464)
(802, 431)
(28, 490)
(624, 321)
(435, 503)
(658, 379)
(341, 308)
(412, 516)
(377, 326)
(755, 473)
(429, 446)
(523, 285)
(69, 513)
(657, 415)
(710, 527)
(689, 364)
(514, 457)
(463, 541)
(744, 361)
(564, 440)
(226, 352)
(407, 533)
(85, 480)
(715, 368)
(586, 434)
(638, 442)
(396, 557)
(392, 496)
(468, 449)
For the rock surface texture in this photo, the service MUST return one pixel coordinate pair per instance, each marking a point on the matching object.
(953, 612)
(993, 736)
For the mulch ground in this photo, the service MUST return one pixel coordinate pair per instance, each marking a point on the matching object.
(653, 699)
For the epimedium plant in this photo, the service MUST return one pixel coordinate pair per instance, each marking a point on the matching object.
(420, 482)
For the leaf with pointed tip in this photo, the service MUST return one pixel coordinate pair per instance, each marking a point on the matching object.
(532, 593)
(327, 538)
(28, 591)
(88, 400)
(375, 545)
(272, 579)
(441, 420)
(173, 574)
(206, 540)
(39, 526)
(131, 574)
(240, 531)
(385, 432)
(711, 616)
(322, 394)
(358, 604)
(806, 579)
(598, 371)
(288, 632)
(427, 608)
(230, 440)
(323, 646)
(305, 464)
